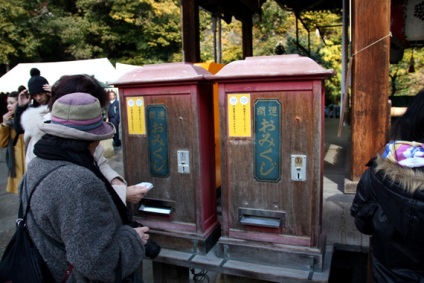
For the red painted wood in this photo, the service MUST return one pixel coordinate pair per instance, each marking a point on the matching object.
(188, 98)
(298, 84)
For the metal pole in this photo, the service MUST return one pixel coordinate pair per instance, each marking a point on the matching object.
(219, 51)
(344, 50)
(214, 20)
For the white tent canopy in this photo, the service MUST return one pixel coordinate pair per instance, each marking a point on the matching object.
(122, 69)
(101, 69)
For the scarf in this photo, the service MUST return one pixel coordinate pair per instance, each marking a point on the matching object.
(405, 153)
(10, 157)
(77, 152)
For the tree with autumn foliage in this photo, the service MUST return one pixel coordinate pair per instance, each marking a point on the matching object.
(406, 77)
(17, 38)
(149, 31)
(280, 29)
(133, 32)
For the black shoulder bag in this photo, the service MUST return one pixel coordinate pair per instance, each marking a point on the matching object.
(21, 261)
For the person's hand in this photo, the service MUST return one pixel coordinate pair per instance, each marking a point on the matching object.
(6, 117)
(47, 88)
(136, 193)
(141, 231)
(23, 98)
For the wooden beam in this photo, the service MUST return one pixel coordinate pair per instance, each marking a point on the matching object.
(371, 49)
(247, 38)
(254, 6)
(190, 30)
(240, 9)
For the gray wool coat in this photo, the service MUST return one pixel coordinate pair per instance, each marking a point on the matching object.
(74, 207)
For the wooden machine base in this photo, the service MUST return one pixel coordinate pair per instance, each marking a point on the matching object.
(173, 266)
(278, 255)
(187, 242)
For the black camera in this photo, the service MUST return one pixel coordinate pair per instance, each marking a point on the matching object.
(152, 249)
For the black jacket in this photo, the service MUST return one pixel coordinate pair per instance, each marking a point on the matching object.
(113, 112)
(389, 206)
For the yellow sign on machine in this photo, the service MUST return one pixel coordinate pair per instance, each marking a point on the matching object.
(136, 115)
(239, 122)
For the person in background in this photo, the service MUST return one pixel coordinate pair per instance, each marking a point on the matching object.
(88, 84)
(21, 88)
(389, 201)
(3, 103)
(74, 203)
(15, 152)
(33, 100)
(113, 116)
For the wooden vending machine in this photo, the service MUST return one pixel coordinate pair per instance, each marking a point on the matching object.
(272, 149)
(168, 140)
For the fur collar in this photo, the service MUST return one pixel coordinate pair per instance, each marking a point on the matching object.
(30, 121)
(408, 178)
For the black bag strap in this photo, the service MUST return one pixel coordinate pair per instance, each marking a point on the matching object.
(53, 241)
(56, 243)
(33, 190)
(118, 271)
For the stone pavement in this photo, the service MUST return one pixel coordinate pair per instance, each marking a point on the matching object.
(336, 162)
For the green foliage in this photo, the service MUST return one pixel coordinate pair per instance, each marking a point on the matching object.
(272, 28)
(149, 31)
(231, 39)
(319, 37)
(403, 82)
(133, 32)
(206, 31)
(17, 38)
(277, 27)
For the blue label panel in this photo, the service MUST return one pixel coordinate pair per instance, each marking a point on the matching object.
(157, 135)
(267, 156)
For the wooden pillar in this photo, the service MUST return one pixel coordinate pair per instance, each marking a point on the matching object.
(371, 49)
(190, 30)
(247, 37)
